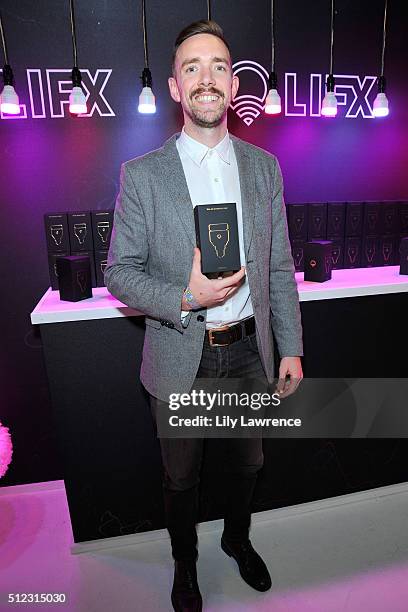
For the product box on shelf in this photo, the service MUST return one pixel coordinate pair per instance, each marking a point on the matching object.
(56, 232)
(80, 231)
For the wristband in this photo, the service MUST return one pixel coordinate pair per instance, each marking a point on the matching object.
(190, 299)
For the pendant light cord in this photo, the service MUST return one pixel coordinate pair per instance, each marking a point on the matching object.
(272, 37)
(331, 37)
(73, 33)
(3, 40)
(209, 10)
(145, 50)
(384, 35)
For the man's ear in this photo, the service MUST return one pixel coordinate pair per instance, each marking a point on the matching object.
(235, 86)
(174, 90)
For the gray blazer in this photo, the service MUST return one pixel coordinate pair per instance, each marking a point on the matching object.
(151, 253)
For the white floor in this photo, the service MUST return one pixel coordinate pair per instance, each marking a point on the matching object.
(347, 555)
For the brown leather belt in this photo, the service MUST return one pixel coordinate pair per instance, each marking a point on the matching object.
(223, 336)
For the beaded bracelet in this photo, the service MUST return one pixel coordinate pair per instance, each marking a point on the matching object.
(190, 299)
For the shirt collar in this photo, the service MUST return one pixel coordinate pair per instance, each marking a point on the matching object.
(198, 151)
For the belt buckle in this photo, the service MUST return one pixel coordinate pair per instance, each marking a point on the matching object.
(210, 335)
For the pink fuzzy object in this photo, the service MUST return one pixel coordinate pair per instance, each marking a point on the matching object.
(6, 449)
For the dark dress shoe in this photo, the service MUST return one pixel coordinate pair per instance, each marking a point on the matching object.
(185, 595)
(251, 567)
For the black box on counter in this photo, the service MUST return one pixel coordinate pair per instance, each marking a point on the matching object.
(297, 221)
(74, 278)
(369, 252)
(56, 232)
(389, 218)
(52, 267)
(336, 219)
(101, 261)
(317, 220)
(352, 252)
(102, 223)
(387, 251)
(337, 252)
(217, 238)
(318, 260)
(403, 256)
(298, 254)
(91, 256)
(372, 223)
(403, 218)
(80, 231)
(354, 218)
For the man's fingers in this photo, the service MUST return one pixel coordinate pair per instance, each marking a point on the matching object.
(230, 281)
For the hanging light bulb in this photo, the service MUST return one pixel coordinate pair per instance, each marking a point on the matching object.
(380, 107)
(147, 101)
(9, 101)
(77, 98)
(329, 104)
(273, 102)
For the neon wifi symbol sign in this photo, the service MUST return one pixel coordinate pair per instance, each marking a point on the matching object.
(247, 106)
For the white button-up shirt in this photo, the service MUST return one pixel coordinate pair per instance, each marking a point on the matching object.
(212, 178)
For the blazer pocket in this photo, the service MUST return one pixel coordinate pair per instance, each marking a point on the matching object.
(152, 323)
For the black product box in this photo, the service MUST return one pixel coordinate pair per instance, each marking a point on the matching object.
(352, 252)
(387, 251)
(337, 252)
(336, 219)
(403, 256)
(354, 218)
(318, 260)
(298, 254)
(297, 221)
(403, 218)
(80, 231)
(74, 277)
(369, 252)
(101, 261)
(389, 218)
(52, 266)
(56, 232)
(91, 263)
(317, 220)
(217, 238)
(102, 223)
(372, 223)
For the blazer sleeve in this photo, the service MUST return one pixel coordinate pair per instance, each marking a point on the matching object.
(125, 275)
(284, 297)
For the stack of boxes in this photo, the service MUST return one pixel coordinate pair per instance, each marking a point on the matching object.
(79, 233)
(364, 234)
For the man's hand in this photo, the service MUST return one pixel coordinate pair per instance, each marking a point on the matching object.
(292, 367)
(211, 292)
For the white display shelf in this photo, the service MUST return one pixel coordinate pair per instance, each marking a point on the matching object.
(343, 284)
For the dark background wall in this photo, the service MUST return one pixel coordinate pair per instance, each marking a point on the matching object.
(66, 164)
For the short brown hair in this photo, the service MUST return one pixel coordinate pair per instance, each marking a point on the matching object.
(198, 27)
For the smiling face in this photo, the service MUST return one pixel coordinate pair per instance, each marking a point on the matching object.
(203, 82)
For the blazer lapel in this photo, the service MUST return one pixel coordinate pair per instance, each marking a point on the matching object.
(175, 184)
(247, 184)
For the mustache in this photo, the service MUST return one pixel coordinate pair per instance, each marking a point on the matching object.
(203, 90)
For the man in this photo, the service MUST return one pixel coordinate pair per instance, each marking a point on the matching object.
(154, 266)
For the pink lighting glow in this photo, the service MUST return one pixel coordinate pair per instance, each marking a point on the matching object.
(78, 109)
(10, 108)
(329, 111)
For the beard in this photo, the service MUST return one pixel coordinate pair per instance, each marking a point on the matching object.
(207, 118)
